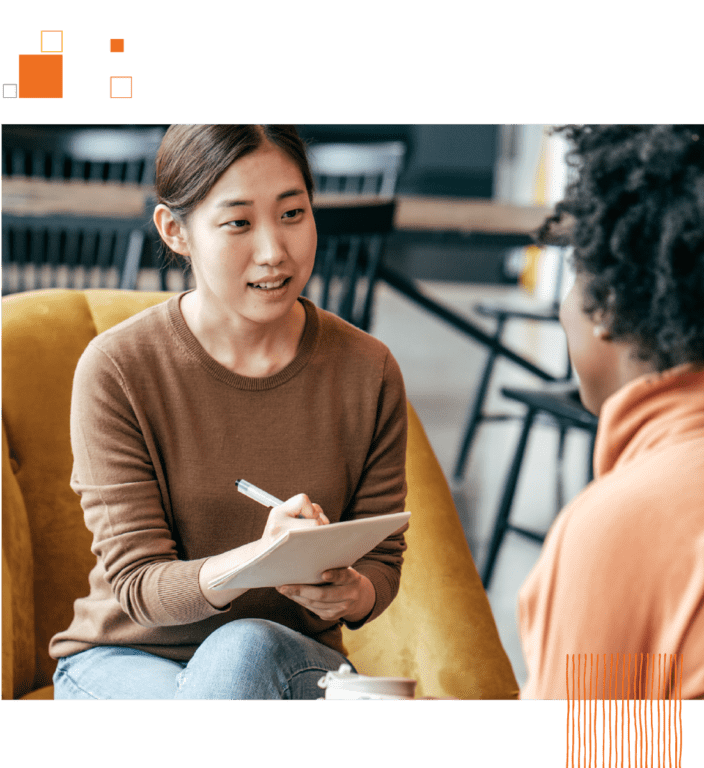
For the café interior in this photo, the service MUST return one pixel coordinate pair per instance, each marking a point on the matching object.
(450, 279)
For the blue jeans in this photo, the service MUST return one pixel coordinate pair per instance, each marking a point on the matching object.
(245, 659)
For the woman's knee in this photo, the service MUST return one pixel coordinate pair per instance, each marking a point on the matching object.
(245, 634)
(256, 658)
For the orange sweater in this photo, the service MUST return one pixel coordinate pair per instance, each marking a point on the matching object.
(160, 432)
(622, 569)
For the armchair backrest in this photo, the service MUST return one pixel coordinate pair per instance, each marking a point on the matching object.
(439, 630)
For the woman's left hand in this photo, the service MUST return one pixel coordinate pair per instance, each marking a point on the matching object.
(346, 594)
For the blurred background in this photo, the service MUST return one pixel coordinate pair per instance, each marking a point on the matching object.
(458, 290)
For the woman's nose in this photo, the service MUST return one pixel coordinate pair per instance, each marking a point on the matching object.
(270, 248)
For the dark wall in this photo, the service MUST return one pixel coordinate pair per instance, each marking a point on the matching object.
(453, 160)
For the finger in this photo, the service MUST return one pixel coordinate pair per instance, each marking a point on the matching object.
(301, 506)
(340, 575)
(321, 516)
(284, 518)
(315, 594)
(297, 505)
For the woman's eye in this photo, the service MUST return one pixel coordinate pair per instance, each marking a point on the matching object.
(238, 223)
(293, 214)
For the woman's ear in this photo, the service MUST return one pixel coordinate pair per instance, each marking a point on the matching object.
(171, 231)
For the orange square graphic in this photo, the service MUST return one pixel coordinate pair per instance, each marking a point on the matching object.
(41, 76)
(41, 40)
(117, 45)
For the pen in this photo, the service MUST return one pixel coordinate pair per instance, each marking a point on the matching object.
(257, 494)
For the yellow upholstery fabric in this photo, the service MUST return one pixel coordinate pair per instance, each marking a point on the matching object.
(439, 630)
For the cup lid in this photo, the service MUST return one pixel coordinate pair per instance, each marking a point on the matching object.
(345, 678)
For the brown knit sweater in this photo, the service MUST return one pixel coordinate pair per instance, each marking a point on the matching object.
(160, 432)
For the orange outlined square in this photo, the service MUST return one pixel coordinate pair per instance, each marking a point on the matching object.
(117, 45)
(41, 77)
(120, 77)
(52, 41)
(41, 40)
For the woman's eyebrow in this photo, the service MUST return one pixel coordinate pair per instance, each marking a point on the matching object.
(282, 196)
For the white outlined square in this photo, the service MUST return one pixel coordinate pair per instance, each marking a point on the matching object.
(41, 40)
(52, 41)
(120, 77)
(9, 90)
(121, 87)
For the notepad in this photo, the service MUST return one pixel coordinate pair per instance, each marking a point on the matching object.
(300, 556)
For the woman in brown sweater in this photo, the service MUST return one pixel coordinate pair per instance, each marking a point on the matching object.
(239, 378)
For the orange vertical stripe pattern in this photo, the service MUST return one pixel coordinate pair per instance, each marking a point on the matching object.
(657, 729)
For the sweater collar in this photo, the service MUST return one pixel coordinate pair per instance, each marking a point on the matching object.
(649, 413)
(192, 346)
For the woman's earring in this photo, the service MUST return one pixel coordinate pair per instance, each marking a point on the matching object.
(601, 333)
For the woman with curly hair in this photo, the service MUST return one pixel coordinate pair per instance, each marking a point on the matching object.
(622, 569)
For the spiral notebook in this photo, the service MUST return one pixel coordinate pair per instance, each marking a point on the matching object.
(300, 556)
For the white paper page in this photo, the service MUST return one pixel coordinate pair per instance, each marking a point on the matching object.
(301, 556)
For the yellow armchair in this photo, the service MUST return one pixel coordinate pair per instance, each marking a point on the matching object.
(439, 630)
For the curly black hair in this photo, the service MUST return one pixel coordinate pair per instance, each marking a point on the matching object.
(636, 215)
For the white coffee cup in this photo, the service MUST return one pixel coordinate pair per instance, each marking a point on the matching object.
(345, 684)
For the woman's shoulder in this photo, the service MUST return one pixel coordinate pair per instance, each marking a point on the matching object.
(145, 327)
(341, 337)
(133, 340)
(621, 513)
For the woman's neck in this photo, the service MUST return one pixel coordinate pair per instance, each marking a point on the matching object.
(249, 349)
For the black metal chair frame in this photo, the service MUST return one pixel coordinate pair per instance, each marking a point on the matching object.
(80, 244)
(364, 168)
(562, 403)
(501, 313)
(351, 240)
(114, 154)
(476, 414)
(410, 290)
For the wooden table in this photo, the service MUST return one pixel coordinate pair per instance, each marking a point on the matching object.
(43, 197)
(414, 213)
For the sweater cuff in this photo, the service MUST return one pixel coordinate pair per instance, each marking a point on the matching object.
(383, 587)
(180, 595)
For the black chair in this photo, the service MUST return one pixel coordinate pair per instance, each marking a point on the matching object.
(114, 154)
(70, 252)
(520, 308)
(351, 237)
(560, 402)
(76, 251)
(369, 168)
(351, 240)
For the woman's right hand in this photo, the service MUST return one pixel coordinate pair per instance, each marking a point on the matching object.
(297, 512)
